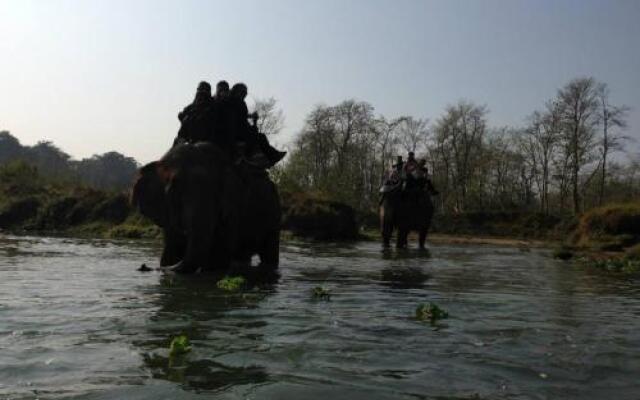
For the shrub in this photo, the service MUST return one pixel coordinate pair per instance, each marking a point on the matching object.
(312, 215)
(611, 227)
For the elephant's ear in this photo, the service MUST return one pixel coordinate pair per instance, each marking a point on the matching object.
(147, 195)
(145, 175)
(173, 190)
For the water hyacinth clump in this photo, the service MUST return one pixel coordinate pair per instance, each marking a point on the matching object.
(231, 283)
(321, 293)
(430, 312)
(179, 345)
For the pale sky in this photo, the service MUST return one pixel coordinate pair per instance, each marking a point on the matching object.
(96, 76)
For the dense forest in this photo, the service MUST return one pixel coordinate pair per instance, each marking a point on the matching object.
(566, 158)
(108, 171)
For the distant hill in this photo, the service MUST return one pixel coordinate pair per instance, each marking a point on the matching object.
(108, 171)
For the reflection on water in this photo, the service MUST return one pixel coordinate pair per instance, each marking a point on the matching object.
(187, 306)
(78, 321)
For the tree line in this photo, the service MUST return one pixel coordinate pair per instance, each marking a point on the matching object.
(108, 171)
(559, 161)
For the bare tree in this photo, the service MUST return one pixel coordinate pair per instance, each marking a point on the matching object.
(610, 117)
(412, 133)
(270, 118)
(539, 144)
(387, 140)
(461, 131)
(578, 102)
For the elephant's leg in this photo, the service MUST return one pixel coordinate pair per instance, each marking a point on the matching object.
(386, 235)
(401, 240)
(199, 242)
(422, 237)
(386, 227)
(424, 229)
(270, 252)
(174, 247)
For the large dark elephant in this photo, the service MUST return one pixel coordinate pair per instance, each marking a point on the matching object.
(405, 211)
(212, 212)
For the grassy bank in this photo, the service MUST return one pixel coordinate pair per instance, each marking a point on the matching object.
(606, 238)
(31, 203)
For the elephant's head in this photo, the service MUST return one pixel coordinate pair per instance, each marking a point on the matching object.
(149, 192)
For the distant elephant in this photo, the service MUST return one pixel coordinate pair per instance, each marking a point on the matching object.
(212, 212)
(405, 211)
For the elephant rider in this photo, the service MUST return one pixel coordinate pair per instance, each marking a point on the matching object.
(254, 145)
(196, 119)
(422, 180)
(394, 178)
(412, 164)
(410, 170)
(222, 133)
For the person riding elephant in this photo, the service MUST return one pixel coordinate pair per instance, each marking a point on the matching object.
(250, 139)
(422, 180)
(196, 119)
(222, 134)
(408, 207)
(212, 211)
(393, 179)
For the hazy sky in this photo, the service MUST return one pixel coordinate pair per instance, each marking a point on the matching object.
(95, 76)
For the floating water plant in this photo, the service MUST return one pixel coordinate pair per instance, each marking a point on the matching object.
(321, 293)
(430, 312)
(179, 345)
(231, 283)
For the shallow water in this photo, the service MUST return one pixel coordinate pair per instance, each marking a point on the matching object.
(78, 321)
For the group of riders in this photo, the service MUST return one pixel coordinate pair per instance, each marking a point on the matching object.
(223, 119)
(409, 177)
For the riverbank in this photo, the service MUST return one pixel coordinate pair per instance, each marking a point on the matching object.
(31, 203)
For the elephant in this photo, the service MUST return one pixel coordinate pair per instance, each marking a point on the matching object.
(213, 212)
(405, 211)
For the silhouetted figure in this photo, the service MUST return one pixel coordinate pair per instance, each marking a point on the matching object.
(222, 90)
(238, 116)
(222, 134)
(251, 141)
(196, 119)
(423, 181)
(393, 179)
(411, 169)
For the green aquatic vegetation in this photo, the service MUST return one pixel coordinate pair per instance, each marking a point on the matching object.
(625, 266)
(430, 312)
(179, 345)
(321, 293)
(231, 283)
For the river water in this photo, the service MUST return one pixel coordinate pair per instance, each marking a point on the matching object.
(77, 321)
